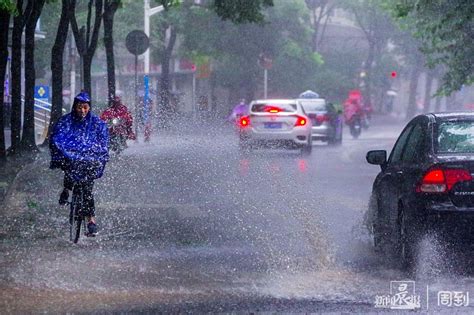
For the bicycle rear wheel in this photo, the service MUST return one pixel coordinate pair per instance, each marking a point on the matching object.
(76, 228)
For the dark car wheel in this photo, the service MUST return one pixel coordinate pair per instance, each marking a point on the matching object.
(406, 243)
(372, 221)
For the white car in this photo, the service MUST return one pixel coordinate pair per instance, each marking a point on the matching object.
(275, 122)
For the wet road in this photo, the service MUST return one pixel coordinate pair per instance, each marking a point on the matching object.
(188, 223)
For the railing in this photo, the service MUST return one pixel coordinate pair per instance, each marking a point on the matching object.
(42, 118)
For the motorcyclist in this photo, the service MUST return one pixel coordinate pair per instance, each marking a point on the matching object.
(79, 146)
(119, 111)
(238, 111)
(352, 108)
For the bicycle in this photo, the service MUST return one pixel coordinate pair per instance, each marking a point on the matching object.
(76, 214)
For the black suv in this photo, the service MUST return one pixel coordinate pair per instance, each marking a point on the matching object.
(425, 186)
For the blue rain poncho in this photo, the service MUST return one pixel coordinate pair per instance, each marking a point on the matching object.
(80, 147)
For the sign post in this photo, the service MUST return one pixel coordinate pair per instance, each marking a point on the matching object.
(137, 43)
(265, 62)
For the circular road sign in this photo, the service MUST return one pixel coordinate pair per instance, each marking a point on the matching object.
(137, 42)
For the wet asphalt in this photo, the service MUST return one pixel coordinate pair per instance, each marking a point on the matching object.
(190, 224)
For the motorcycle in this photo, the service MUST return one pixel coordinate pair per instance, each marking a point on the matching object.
(117, 135)
(355, 126)
(354, 118)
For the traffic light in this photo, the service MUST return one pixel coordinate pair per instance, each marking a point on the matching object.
(393, 74)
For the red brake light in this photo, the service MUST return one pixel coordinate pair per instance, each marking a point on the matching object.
(244, 121)
(272, 109)
(442, 180)
(300, 121)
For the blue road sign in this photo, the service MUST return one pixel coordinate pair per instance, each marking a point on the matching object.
(42, 92)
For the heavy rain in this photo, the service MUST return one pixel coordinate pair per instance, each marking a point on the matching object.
(212, 156)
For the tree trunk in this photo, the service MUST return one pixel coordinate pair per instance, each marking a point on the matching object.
(165, 74)
(110, 7)
(437, 104)
(86, 66)
(411, 108)
(18, 25)
(368, 73)
(451, 102)
(28, 141)
(86, 42)
(428, 87)
(57, 53)
(4, 23)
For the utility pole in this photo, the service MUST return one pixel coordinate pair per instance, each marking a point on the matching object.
(147, 13)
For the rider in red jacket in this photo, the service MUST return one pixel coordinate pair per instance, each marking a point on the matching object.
(119, 111)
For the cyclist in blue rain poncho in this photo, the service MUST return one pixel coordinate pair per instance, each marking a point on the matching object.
(79, 146)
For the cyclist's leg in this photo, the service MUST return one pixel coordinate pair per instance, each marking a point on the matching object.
(68, 184)
(89, 206)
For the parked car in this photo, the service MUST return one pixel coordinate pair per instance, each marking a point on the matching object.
(425, 186)
(278, 122)
(326, 120)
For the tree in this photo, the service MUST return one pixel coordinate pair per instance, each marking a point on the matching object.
(320, 10)
(241, 11)
(6, 7)
(377, 26)
(86, 38)
(110, 8)
(235, 48)
(28, 141)
(446, 30)
(19, 22)
(57, 66)
(169, 22)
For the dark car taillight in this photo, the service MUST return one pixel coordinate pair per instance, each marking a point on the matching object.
(442, 180)
(300, 121)
(244, 121)
(322, 118)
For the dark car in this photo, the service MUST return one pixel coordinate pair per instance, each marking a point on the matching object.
(425, 186)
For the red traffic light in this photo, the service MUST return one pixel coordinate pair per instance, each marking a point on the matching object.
(393, 74)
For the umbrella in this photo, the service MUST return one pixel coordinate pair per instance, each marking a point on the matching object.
(309, 94)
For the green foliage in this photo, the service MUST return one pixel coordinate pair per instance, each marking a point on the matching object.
(337, 75)
(241, 11)
(445, 28)
(8, 5)
(285, 37)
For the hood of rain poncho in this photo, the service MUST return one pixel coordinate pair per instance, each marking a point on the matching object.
(80, 146)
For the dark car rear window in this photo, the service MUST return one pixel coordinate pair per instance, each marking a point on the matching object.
(269, 107)
(455, 137)
(315, 105)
